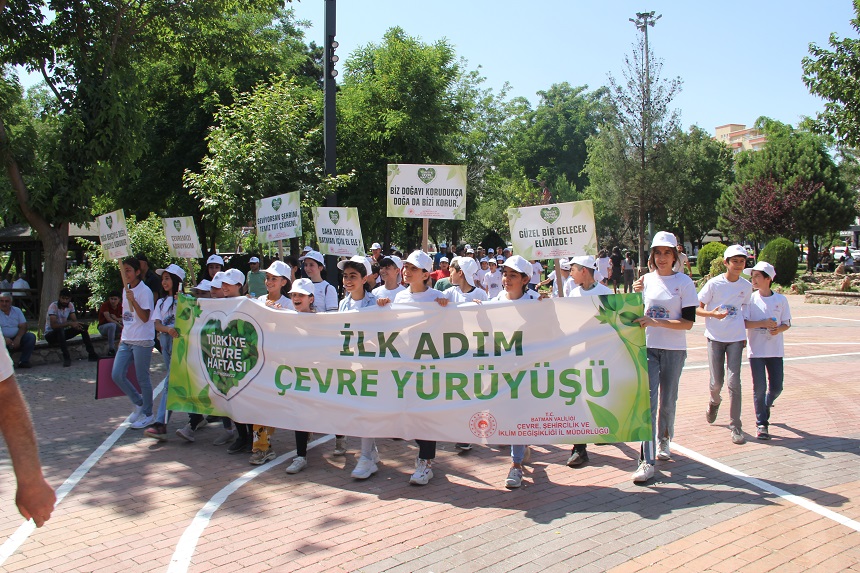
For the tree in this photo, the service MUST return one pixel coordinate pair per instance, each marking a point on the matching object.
(835, 77)
(641, 101)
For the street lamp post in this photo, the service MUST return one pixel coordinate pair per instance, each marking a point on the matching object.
(329, 115)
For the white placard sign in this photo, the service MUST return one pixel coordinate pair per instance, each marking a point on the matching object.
(279, 217)
(182, 238)
(113, 235)
(427, 191)
(553, 231)
(338, 231)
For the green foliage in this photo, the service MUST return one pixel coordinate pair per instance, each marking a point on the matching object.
(707, 254)
(782, 254)
(718, 267)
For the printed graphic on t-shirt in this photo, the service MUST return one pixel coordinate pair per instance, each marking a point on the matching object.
(657, 312)
(730, 309)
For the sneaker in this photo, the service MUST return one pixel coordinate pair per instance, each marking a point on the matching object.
(24, 365)
(143, 422)
(515, 478)
(238, 446)
(364, 468)
(577, 458)
(761, 433)
(259, 457)
(226, 437)
(663, 452)
(135, 414)
(156, 432)
(737, 436)
(340, 446)
(711, 414)
(422, 474)
(186, 433)
(463, 446)
(202, 424)
(643, 473)
(299, 463)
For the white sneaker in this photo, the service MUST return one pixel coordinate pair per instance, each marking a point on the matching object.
(135, 415)
(515, 478)
(143, 422)
(422, 474)
(340, 446)
(186, 433)
(643, 473)
(364, 468)
(663, 452)
(299, 463)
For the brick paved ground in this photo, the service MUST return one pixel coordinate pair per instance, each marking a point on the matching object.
(130, 510)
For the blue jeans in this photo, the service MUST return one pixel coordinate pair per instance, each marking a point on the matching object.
(766, 389)
(28, 343)
(166, 352)
(664, 376)
(141, 356)
(722, 357)
(518, 452)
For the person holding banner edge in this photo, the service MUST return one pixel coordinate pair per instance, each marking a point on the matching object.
(670, 309)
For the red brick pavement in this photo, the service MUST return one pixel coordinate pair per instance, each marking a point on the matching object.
(130, 510)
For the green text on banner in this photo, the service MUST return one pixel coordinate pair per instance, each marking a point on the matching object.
(182, 241)
(427, 191)
(338, 231)
(553, 231)
(279, 217)
(113, 235)
(567, 370)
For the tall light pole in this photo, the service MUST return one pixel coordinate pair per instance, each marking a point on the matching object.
(329, 115)
(642, 22)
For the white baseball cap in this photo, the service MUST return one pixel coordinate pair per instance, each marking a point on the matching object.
(564, 264)
(233, 277)
(254, 260)
(493, 261)
(172, 269)
(490, 251)
(375, 246)
(360, 259)
(485, 260)
(279, 269)
(204, 286)
(421, 260)
(735, 251)
(586, 261)
(469, 267)
(314, 256)
(303, 286)
(445, 260)
(766, 268)
(470, 250)
(307, 249)
(215, 282)
(468, 246)
(214, 259)
(519, 264)
(664, 239)
(398, 262)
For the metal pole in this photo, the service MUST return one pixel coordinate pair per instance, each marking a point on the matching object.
(329, 119)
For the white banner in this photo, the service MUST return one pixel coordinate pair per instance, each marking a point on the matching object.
(427, 191)
(566, 370)
(113, 235)
(279, 217)
(182, 238)
(553, 231)
(338, 231)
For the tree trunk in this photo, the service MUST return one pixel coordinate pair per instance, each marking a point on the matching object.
(811, 254)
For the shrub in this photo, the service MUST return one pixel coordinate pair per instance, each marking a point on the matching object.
(718, 267)
(782, 254)
(707, 254)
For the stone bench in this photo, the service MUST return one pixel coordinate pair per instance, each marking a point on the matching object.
(833, 297)
(45, 353)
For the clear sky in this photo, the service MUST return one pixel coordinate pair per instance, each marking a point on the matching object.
(738, 59)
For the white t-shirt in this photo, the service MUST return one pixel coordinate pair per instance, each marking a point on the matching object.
(479, 277)
(456, 294)
(62, 314)
(406, 295)
(385, 292)
(133, 328)
(165, 311)
(603, 266)
(286, 303)
(492, 284)
(680, 265)
(597, 289)
(664, 297)
(537, 271)
(6, 368)
(762, 344)
(325, 297)
(349, 303)
(529, 295)
(732, 297)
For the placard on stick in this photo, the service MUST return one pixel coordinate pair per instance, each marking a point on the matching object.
(338, 231)
(279, 217)
(553, 231)
(113, 235)
(182, 240)
(427, 191)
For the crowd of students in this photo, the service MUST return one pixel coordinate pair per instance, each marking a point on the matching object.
(735, 316)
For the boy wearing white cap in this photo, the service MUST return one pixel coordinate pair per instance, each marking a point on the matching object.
(722, 302)
(389, 272)
(492, 281)
(558, 277)
(325, 295)
(767, 316)
(485, 268)
(582, 281)
(463, 277)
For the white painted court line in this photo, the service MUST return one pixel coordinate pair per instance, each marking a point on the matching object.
(703, 366)
(188, 542)
(25, 529)
(796, 344)
(763, 485)
(827, 317)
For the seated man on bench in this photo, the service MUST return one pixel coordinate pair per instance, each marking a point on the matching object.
(14, 327)
(62, 324)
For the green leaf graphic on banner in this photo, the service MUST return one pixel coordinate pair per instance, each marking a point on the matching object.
(177, 224)
(181, 349)
(628, 318)
(603, 417)
(276, 203)
(334, 216)
(109, 222)
(227, 364)
(550, 214)
(426, 174)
